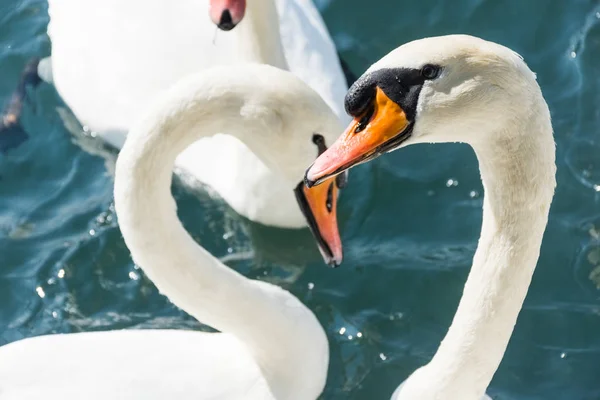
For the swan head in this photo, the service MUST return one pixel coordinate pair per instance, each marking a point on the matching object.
(280, 118)
(455, 88)
(226, 14)
(288, 125)
(301, 127)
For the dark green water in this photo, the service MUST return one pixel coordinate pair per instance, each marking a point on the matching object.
(410, 220)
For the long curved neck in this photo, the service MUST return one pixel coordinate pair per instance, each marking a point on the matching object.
(268, 320)
(518, 176)
(258, 36)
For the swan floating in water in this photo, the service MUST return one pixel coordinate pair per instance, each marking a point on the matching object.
(112, 58)
(464, 89)
(271, 345)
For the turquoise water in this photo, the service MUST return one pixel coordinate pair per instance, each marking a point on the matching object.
(409, 220)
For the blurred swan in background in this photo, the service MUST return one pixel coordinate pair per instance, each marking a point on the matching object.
(111, 58)
(272, 346)
(464, 89)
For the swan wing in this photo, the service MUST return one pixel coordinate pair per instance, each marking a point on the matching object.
(311, 53)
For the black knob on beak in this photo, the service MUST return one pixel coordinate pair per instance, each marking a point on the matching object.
(226, 22)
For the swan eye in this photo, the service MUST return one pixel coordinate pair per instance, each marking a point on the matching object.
(329, 201)
(430, 71)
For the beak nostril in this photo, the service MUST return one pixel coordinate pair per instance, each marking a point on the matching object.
(364, 121)
(226, 21)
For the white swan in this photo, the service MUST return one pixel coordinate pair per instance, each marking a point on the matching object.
(111, 58)
(272, 347)
(461, 88)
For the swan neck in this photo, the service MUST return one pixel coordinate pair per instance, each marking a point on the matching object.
(518, 175)
(267, 320)
(258, 35)
(187, 274)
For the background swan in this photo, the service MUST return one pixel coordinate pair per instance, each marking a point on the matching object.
(461, 88)
(110, 59)
(273, 347)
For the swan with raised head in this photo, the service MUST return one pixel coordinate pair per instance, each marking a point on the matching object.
(464, 89)
(271, 345)
(111, 58)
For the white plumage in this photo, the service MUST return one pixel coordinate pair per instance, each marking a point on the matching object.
(112, 58)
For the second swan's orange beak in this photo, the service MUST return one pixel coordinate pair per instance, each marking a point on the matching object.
(319, 206)
(381, 128)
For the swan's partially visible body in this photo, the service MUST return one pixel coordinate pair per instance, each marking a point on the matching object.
(272, 347)
(464, 89)
(111, 59)
(131, 365)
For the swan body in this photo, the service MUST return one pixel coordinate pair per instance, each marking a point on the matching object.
(103, 371)
(111, 59)
(271, 345)
(463, 89)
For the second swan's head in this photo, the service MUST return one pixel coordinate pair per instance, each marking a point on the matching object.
(297, 126)
(454, 88)
(278, 116)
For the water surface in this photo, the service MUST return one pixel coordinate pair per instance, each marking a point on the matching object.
(410, 220)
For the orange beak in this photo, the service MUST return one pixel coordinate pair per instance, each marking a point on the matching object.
(319, 206)
(381, 128)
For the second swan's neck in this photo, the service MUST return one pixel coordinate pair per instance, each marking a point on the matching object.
(258, 35)
(518, 176)
(285, 339)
